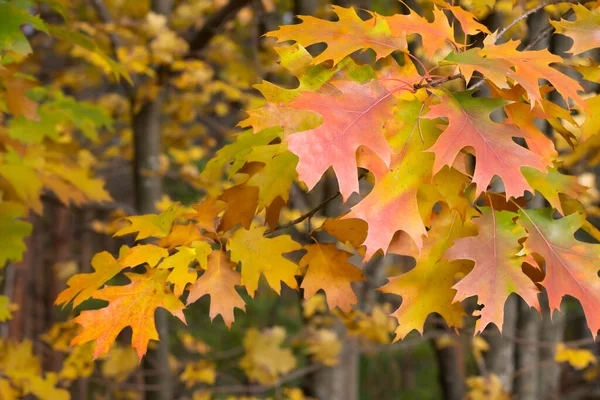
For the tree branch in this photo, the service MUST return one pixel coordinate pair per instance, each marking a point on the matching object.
(437, 82)
(212, 25)
(547, 31)
(541, 36)
(105, 17)
(525, 15)
(305, 216)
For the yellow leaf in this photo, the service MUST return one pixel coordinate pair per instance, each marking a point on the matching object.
(428, 287)
(152, 225)
(119, 363)
(181, 274)
(193, 344)
(578, 358)
(24, 180)
(13, 232)
(6, 308)
(486, 388)
(480, 346)
(197, 372)
(6, 391)
(313, 305)
(261, 255)
(78, 364)
(45, 388)
(324, 346)
(265, 360)
(275, 179)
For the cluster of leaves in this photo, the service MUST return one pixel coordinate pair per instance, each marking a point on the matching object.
(42, 153)
(442, 182)
(162, 58)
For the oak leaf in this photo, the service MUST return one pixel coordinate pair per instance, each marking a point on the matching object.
(351, 119)
(428, 287)
(570, 265)
(207, 214)
(434, 35)
(330, 270)
(82, 286)
(130, 305)
(181, 273)
(219, 282)
(500, 62)
(552, 183)
(261, 255)
(343, 37)
(265, 359)
(13, 232)
(498, 271)
(152, 225)
(241, 201)
(392, 204)
(275, 179)
(470, 126)
(584, 31)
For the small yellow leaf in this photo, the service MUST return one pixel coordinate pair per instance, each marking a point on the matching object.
(261, 255)
(578, 358)
(265, 360)
(197, 372)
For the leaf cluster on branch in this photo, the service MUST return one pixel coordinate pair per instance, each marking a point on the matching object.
(426, 168)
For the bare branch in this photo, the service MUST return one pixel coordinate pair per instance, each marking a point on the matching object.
(547, 31)
(307, 215)
(525, 15)
(214, 23)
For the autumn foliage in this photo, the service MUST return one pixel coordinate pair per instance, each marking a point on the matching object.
(432, 129)
(434, 157)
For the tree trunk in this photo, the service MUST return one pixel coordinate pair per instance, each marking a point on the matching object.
(340, 382)
(148, 190)
(552, 330)
(500, 359)
(528, 328)
(19, 291)
(451, 378)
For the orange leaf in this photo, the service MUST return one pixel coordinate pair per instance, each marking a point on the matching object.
(343, 37)
(571, 265)
(219, 282)
(469, 125)
(498, 267)
(434, 35)
(329, 269)
(352, 119)
(130, 305)
(584, 31)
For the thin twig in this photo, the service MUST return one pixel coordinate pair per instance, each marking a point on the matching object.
(213, 24)
(541, 36)
(437, 82)
(547, 31)
(307, 215)
(525, 15)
